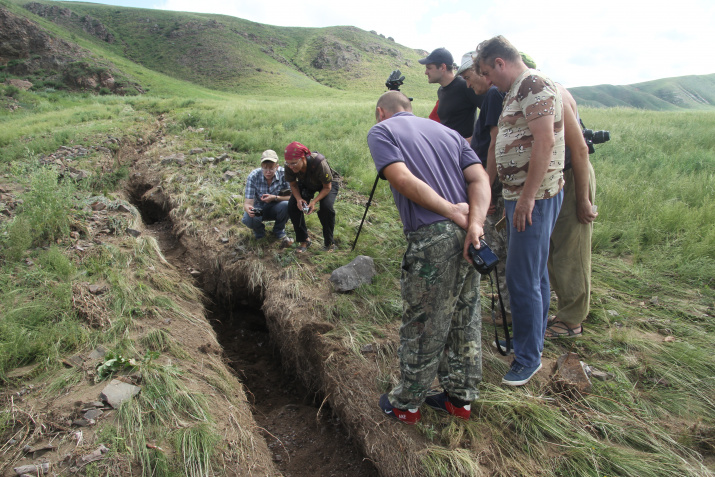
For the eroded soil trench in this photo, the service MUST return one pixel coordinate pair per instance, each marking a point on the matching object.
(303, 434)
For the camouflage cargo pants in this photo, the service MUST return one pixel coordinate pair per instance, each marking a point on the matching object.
(441, 320)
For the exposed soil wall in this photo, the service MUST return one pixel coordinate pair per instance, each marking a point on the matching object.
(321, 360)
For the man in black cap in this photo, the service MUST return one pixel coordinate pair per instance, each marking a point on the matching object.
(457, 102)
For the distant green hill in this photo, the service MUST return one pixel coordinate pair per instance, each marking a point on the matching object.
(231, 54)
(685, 92)
(225, 53)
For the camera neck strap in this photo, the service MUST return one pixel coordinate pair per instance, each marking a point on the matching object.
(503, 315)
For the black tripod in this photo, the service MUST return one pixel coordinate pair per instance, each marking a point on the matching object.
(393, 83)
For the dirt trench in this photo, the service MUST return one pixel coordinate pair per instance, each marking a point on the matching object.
(304, 435)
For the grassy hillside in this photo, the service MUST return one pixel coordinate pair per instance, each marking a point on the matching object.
(669, 94)
(231, 54)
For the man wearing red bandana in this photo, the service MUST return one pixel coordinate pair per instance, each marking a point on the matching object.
(308, 173)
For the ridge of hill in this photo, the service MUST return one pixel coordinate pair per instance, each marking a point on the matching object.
(667, 94)
(230, 54)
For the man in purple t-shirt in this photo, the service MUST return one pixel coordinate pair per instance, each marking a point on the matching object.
(442, 193)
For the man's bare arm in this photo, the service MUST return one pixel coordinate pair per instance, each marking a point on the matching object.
(579, 158)
(479, 194)
(247, 205)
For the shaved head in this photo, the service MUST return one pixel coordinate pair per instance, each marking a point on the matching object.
(394, 102)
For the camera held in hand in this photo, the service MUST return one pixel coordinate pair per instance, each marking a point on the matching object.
(484, 259)
(257, 212)
(595, 137)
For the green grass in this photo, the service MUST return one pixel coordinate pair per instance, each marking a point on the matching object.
(653, 269)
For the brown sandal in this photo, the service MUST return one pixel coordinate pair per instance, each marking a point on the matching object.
(559, 329)
(302, 248)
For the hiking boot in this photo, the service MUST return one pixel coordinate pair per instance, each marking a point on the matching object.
(410, 416)
(519, 375)
(441, 402)
(286, 242)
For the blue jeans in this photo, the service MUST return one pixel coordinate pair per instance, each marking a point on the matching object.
(277, 211)
(527, 277)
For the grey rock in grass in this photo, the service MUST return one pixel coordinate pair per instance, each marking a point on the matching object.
(133, 232)
(348, 277)
(228, 175)
(96, 455)
(32, 469)
(98, 353)
(116, 392)
(93, 414)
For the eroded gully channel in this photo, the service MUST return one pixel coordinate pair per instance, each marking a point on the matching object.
(303, 435)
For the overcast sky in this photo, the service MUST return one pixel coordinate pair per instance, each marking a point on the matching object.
(575, 42)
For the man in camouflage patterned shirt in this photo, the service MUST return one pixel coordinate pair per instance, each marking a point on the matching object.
(442, 194)
(529, 154)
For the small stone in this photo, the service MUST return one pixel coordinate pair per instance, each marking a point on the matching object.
(74, 235)
(96, 455)
(73, 362)
(229, 175)
(654, 301)
(98, 353)
(569, 373)
(612, 312)
(93, 414)
(123, 208)
(277, 458)
(117, 392)
(134, 233)
(97, 206)
(97, 289)
(223, 240)
(194, 273)
(196, 150)
(39, 469)
(669, 339)
(601, 375)
(82, 422)
(368, 348)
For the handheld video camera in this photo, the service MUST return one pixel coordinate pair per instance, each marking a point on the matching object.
(484, 259)
(257, 211)
(595, 137)
(395, 80)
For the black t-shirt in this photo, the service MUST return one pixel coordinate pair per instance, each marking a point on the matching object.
(481, 138)
(488, 117)
(457, 105)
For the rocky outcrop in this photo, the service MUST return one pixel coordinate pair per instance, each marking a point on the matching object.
(20, 38)
(34, 55)
(66, 17)
(335, 56)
